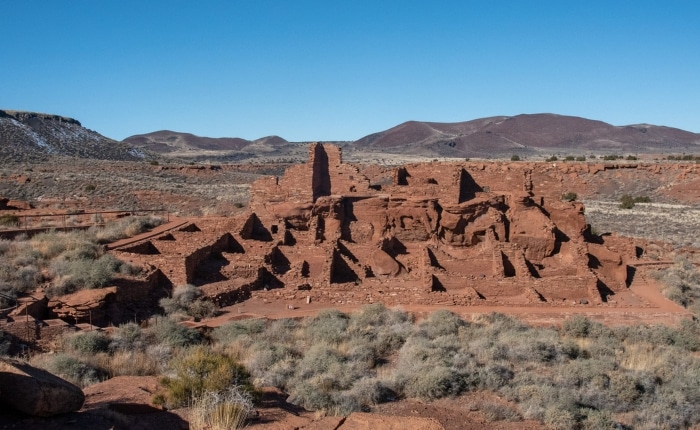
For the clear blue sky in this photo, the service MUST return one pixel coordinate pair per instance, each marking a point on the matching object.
(327, 70)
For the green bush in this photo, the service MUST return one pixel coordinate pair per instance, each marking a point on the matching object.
(552, 158)
(628, 202)
(514, 157)
(9, 220)
(569, 196)
(199, 370)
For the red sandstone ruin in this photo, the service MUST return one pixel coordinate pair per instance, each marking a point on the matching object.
(433, 233)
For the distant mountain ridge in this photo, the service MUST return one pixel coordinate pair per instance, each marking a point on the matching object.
(526, 134)
(170, 142)
(27, 136)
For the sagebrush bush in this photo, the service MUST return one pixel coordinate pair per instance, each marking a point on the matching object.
(328, 326)
(185, 299)
(681, 283)
(71, 368)
(167, 331)
(231, 331)
(72, 275)
(88, 342)
(128, 337)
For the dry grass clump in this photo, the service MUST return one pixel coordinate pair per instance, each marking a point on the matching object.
(126, 227)
(63, 262)
(227, 410)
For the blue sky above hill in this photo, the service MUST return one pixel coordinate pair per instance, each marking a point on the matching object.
(319, 70)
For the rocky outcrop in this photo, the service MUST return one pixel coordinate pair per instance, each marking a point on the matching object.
(35, 391)
(84, 305)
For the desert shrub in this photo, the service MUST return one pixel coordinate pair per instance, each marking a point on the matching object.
(133, 363)
(229, 332)
(514, 157)
(88, 343)
(128, 337)
(569, 158)
(328, 326)
(577, 326)
(434, 383)
(628, 202)
(72, 275)
(125, 227)
(494, 411)
(272, 363)
(569, 196)
(375, 331)
(308, 395)
(226, 410)
(581, 158)
(440, 323)
(51, 244)
(552, 158)
(9, 220)
(186, 299)
(201, 309)
(71, 368)
(199, 370)
(5, 246)
(557, 419)
(370, 391)
(681, 283)
(631, 158)
(167, 331)
(598, 420)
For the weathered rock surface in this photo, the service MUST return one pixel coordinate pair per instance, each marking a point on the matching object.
(35, 391)
(83, 305)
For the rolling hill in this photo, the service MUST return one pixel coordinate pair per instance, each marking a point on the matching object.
(176, 143)
(27, 136)
(527, 134)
